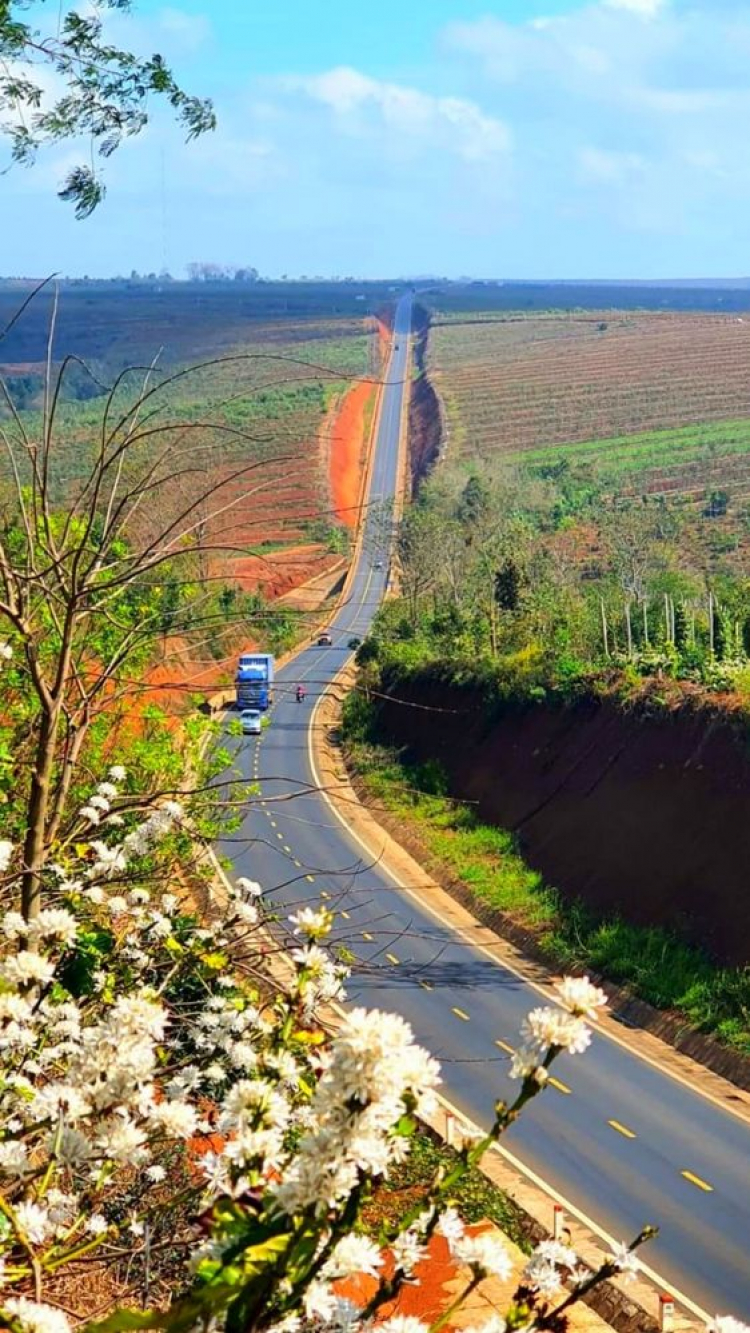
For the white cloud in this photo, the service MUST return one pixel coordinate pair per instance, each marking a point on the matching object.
(452, 124)
(646, 8)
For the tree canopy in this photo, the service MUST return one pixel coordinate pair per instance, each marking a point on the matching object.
(105, 91)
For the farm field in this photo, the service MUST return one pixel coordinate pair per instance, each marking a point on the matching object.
(250, 425)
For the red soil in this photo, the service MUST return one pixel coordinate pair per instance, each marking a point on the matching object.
(348, 452)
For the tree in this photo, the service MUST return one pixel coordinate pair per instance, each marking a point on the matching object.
(508, 585)
(106, 93)
(88, 587)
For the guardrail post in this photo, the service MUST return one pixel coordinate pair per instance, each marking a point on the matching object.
(558, 1223)
(666, 1314)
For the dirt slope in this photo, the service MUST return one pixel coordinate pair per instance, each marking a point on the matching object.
(648, 816)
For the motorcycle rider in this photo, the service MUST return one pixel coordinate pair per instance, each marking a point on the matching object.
(300, 693)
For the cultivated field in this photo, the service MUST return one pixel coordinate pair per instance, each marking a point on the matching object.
(249, 425)
(645, 401)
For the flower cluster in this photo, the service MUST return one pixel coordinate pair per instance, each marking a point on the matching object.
(131, 1035)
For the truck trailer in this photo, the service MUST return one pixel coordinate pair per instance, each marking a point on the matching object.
(254, 681)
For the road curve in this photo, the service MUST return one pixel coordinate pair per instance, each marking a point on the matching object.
(624, 1142)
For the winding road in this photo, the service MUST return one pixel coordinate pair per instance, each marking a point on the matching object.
(619, 1138)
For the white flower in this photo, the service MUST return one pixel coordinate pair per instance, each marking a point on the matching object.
(54, 923)
(314, 924)
(249, 887)
(407, 1250)
(35, 1317)
(90, 813)
(169, 901)
(73, 1148)
(156, 1174)
(14, 1158)
(625, 1261)
(403, 1323)
(97, 1224)
(319, 1301)
(247, 913)
(117, 905)
(135, 1227)
(545, 1027)
(557, 1253)
(485, 1254)
(34, 1222)
(107, 789)
(354, 1254)
(14, 926)
(6, 852)
(115, 820)
(6, 652)
(118, 773)
(22, 968)
(542, 1276)
(100, 803)
(178, 1119)
(581, 997)
(525, 1064)
(451, 1226)
(726, 1324)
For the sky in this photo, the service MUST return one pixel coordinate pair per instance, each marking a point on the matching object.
(503, 138)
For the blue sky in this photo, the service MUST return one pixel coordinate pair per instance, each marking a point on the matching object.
(515, 138)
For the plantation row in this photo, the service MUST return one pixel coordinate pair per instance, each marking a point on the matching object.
(522, 385)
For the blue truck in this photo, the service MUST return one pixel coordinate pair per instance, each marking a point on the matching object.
(254, 681)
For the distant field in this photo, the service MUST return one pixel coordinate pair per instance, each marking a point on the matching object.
(285, 356)
(520, 384)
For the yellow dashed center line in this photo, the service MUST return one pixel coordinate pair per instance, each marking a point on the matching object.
(287, 848)
(310, 879)
(392, 959)
(561, 1087)
(696, 1180)
(297, 863)
(274, 824)
(280, 837)
(345, 915)
(504, 1046)
(426, 985)
(324, 894)
(366, 935)
(621, 1129)
(460, 1014)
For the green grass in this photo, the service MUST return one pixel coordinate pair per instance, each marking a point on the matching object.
(658, 966)
(624, 454)
(476, 1198)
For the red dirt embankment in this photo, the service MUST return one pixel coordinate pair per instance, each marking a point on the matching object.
(347, 452)
(642, 813)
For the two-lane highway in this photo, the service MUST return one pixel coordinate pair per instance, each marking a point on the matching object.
(623, 1141)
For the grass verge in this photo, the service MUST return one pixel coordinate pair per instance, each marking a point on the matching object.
(657, 966)
(476, 1198)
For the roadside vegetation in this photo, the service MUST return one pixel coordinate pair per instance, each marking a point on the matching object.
(655, 964)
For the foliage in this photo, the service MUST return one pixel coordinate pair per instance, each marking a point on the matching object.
(130, 1033)
(107, 91)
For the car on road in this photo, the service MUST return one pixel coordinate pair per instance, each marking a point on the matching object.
(325, 639)
(251, 722)
(355, 641)
(377, 564)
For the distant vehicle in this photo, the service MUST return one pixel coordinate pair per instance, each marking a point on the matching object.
(251, 722)
(377, 564)
(254, 681)
(354, 641)
(325, 640)
(397, 346)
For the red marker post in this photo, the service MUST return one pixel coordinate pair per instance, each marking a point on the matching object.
(666, 1314)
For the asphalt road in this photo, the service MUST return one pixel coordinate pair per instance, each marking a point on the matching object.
(625, 1142)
